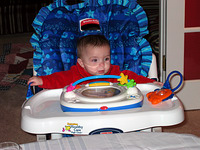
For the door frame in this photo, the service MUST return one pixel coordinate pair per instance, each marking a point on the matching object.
(172, 30)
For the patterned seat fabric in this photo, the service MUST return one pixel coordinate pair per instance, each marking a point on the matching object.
(58, 26)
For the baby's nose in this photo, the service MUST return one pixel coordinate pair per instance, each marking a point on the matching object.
(102, 64)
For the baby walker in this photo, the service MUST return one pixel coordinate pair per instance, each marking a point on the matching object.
(96, 107)
(101, 107)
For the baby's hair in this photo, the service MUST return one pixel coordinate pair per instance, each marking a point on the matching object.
(93, 40)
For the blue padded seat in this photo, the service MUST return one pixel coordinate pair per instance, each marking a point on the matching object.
(123, 22)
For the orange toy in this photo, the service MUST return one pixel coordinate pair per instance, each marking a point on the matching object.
(166, 92)
(77, 87)
(158, 95)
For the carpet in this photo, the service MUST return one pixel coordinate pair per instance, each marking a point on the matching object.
(10, 114)
(16, 63)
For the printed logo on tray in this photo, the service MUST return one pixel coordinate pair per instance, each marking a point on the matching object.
(73, 128)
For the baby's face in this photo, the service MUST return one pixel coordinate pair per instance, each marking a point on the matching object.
(96, 60)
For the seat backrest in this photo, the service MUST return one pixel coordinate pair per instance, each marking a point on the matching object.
(58, 26)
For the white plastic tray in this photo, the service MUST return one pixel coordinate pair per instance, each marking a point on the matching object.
(42, 114)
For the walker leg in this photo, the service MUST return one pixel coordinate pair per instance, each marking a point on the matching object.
(41, 137)
(153, 129)
(56, 136)
(157, 129)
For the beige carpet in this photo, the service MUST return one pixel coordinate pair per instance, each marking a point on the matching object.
(10, 115)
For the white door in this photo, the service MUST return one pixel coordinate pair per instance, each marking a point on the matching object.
(180, 48)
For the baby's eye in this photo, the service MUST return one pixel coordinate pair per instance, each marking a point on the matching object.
(94, 60)
(107, 59)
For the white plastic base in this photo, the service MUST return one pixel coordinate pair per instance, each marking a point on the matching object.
(42, 114)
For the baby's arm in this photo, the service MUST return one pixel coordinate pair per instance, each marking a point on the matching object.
(35, 81)
(140, 78)
(158, 83)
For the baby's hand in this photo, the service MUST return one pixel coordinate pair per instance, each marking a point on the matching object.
(158, 83)
(35, 81)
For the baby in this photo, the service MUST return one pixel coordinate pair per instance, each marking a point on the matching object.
(93, 59)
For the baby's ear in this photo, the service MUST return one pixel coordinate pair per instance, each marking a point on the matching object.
(80, 62)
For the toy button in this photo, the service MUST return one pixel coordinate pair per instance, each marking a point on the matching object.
(103, 107)
(77, 87)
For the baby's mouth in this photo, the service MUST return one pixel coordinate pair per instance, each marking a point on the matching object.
(101, 71)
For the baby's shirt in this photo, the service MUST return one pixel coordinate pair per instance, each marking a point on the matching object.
(63, 78)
